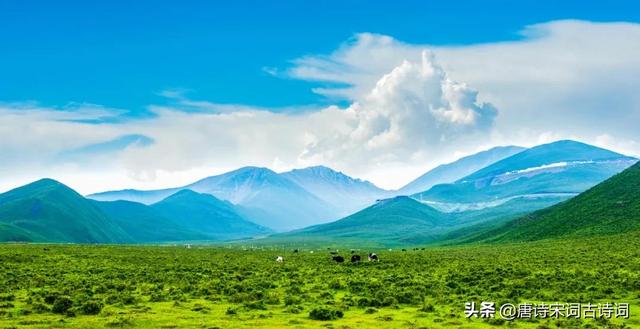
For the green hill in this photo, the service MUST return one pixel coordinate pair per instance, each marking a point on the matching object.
(388, 220)
(48, 210)
(205, 214)
(405, 221)
(146, 224)
(610, 207)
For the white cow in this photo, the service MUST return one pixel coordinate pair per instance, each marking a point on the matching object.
(279, 259)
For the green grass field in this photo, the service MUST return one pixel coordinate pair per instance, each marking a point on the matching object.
(90, 286)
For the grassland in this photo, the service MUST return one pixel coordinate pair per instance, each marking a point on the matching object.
(91, 286)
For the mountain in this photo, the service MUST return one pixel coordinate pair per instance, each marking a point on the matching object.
(144, 224)
(139, 196)
(47, 210)
(261, 195)
(267, 198)
(389, 219)
(211, 217)
(555, 169)
(346, 194)
(610, 207)
(451, 172)
(405, 221)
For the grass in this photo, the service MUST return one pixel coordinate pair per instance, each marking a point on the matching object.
(91, 286)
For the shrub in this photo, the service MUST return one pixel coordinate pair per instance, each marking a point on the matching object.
(325, 314)
(7, 297)
(427, 307)
(91, 308)
(292, 300)
(39, 308)
(61, 305)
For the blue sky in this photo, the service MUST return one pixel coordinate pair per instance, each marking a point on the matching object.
(148, 94)
(121, 54)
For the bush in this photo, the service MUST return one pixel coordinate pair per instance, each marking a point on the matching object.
(39, 308)
(292, 300)
(325, 314)
(91, 308)
(61, 305)
(427, 307)
(7, 297)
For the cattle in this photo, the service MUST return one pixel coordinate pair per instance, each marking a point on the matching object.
(45, 249)
(334, 252)
(295, 251)
(373, 257)
(355, 258)
(279, 259)
(338, 259)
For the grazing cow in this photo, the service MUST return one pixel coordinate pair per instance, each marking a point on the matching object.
(373, 257)
(279, 259)
(338, 259)
(404, 249)
(355, 258)
(295, 251)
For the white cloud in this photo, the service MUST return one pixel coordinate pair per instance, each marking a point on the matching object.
(567, 79)
(564, 78)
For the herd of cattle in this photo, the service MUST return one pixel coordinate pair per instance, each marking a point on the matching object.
(339, 259)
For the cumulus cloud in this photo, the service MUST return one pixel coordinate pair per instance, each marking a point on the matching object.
(410, 109)
(564, 78)
(413, 111)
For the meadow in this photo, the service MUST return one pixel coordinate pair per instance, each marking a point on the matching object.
(112, 286)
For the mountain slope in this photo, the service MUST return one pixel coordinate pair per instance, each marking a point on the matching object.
(144, 224)
(347, 194)
(546, 154)
(145, 197)
(203, 213)
(564, 167)
(47, 210)
(451, 172)
(388, 220)
(264, 197)
(267, 198)
(610, 207)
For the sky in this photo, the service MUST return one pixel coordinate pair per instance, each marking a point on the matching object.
(145, 95)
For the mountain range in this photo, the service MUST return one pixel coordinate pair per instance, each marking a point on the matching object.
(49, 211)
(559, 168)
(524, 182)
(282, 202)
(511, 194)
(610, 207)
(451, 172)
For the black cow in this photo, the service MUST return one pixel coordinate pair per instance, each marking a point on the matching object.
(295, 251)
(373, 257)
(355, 258)
(338, 259)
